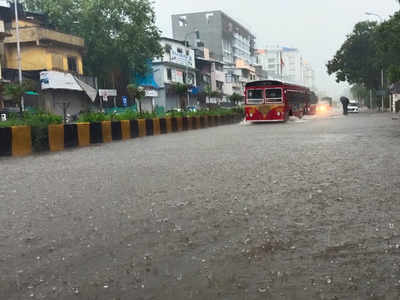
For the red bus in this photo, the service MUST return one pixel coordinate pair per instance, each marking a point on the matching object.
(271, 100)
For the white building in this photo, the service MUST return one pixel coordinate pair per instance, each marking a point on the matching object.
(308, 76)
(282, 63)
(177, 65)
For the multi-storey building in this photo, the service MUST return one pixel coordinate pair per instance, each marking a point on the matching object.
(309, 76)
(177, 65)
(283, 63)
(226, 38)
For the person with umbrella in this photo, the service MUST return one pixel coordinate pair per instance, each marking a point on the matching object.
(345, 102)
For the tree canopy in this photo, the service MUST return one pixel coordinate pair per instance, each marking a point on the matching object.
(120, 35)
(356, 60)
(370, 48)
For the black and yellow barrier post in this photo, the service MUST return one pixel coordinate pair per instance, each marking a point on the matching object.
(185, 122)
(149, 127)
(56, 137)
(116, 131)
(125, 130)
(142, 127)
(169, 125)
(193, 121)
(156, 126)
(21, 140)
(179, 124)
(163, 126)
(198, 122)
(70, 136)
(83, 134)
(96, 133)
(134, 129)
(5, 141)
(106, 131)
(174, 124)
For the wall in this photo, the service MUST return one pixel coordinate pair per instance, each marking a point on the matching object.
(53, 100)
(209, 24)
(39, 58)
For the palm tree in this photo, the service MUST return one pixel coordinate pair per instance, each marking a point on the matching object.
(15, 91)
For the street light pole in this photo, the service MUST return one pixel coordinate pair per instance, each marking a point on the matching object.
(18, 50)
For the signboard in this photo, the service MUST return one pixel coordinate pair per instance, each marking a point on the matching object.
(125, 101)
(108, 93)
(151, 93)
(3, 117)
(58, 80)
(381, 93)
(105, 98)
(182, 58)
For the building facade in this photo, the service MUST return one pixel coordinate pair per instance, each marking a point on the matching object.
(226, 38)
(177, 65)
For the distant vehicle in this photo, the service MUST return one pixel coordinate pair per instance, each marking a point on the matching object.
(191, 108)
(323, 107)
(328, 100)
(353, 107)
(312, 105)
(274, 101)
(174, 110)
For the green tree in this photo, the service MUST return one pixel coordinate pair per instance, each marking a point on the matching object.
(181, 90)
(120, 35)
(388, 46)
(235, 98)
(136, 93)
(357, 61)
(360, 92)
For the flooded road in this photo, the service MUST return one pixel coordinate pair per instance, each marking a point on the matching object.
(302, 210)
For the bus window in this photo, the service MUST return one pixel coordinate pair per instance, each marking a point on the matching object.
(273, 95)
(255, 96)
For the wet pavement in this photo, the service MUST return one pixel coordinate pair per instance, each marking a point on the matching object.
(303, 210)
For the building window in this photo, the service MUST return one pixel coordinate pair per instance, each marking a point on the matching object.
(179, 50)
(72, 64)
(187, 52)
(169, 74)
(184, 77)
(271, 60)
(57, 62)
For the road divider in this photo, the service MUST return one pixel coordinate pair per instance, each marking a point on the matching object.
(18, 140)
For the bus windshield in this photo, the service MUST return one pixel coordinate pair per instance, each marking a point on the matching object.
(255, 94)
(273, 95)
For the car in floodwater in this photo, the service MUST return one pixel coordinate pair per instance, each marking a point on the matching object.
(353, 107)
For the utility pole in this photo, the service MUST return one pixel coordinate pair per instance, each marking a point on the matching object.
(18, 50)
(382, 85)
(187, 59)
(370, 99)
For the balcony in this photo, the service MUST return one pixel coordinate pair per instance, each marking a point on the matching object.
(42, 35)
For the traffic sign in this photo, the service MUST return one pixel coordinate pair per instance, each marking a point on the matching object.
(125, 101)
(108, 93)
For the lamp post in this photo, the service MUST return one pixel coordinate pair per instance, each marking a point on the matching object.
(18, 50)
(197, 33)
(382, 79)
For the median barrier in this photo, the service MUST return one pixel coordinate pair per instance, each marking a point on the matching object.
(96, 133)
(163, 126)
(125, 130)
(83, 134)
(142, 127)
(56, 137)
(21, 140)
(169, 125)
(70, 135)
(179, 123)
(174, 124)
(149, 127)
(116, 131)
(106, 131)
(156, 126)
(5, 141)
(134, 124)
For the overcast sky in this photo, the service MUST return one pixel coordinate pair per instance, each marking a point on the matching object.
(316, 27)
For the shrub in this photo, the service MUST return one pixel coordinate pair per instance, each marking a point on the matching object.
(94, 117)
